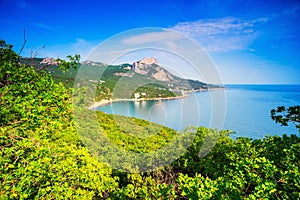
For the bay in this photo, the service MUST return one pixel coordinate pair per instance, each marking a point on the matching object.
(246, 109)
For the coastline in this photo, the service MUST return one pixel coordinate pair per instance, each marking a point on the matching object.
(205, 90)
(104, 102)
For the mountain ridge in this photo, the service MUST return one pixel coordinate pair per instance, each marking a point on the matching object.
(142, 79)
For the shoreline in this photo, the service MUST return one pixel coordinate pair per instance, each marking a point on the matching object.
(206, 90)
(104, 102)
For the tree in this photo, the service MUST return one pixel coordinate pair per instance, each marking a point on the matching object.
(73, 63)
(284, 115)
(41, 155)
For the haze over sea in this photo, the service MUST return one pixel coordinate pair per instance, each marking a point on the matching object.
(247, 109)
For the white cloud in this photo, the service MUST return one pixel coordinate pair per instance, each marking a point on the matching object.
(222, 34)
(151, 38)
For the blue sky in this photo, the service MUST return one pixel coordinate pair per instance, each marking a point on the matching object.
(250, 41)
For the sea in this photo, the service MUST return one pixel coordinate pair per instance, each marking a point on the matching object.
(245, 110)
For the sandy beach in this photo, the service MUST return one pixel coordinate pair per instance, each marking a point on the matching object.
(108, 101)
(104, 102)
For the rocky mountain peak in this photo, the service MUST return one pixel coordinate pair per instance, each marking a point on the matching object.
(149, 61)
(90, 62)
(145, 61)
(150, 67)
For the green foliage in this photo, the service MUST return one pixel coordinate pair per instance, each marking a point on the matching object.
(43, 157)
(154, 91)
(197, 187)
(283, 116)
(8, 59)
(133, 134)
(116, 86)
(73, 63)
(144, 187)
(267, 168)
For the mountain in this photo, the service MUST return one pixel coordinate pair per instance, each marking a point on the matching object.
(150, 68)
(142, 79)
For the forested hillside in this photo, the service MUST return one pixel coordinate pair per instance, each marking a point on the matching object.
(43, 157)
(120, 81)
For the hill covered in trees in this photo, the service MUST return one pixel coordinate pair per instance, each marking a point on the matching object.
(147, 79)
(43, 157)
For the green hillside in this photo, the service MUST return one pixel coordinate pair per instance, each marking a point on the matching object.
(46, 154)
(121, 81)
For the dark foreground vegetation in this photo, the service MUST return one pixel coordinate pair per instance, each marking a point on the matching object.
(43, 157)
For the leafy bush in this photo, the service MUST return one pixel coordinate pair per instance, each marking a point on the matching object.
(41, 154)
(43, 157)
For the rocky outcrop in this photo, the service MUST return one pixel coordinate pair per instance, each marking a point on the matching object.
(144, 61)
(162, 75)
(149, 61)
(141, 68)
(89, 62)
(150, 67)
(49, 61)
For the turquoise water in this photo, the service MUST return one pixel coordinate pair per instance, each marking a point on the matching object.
(247, 109)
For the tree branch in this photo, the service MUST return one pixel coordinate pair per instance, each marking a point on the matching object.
(24, 42)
